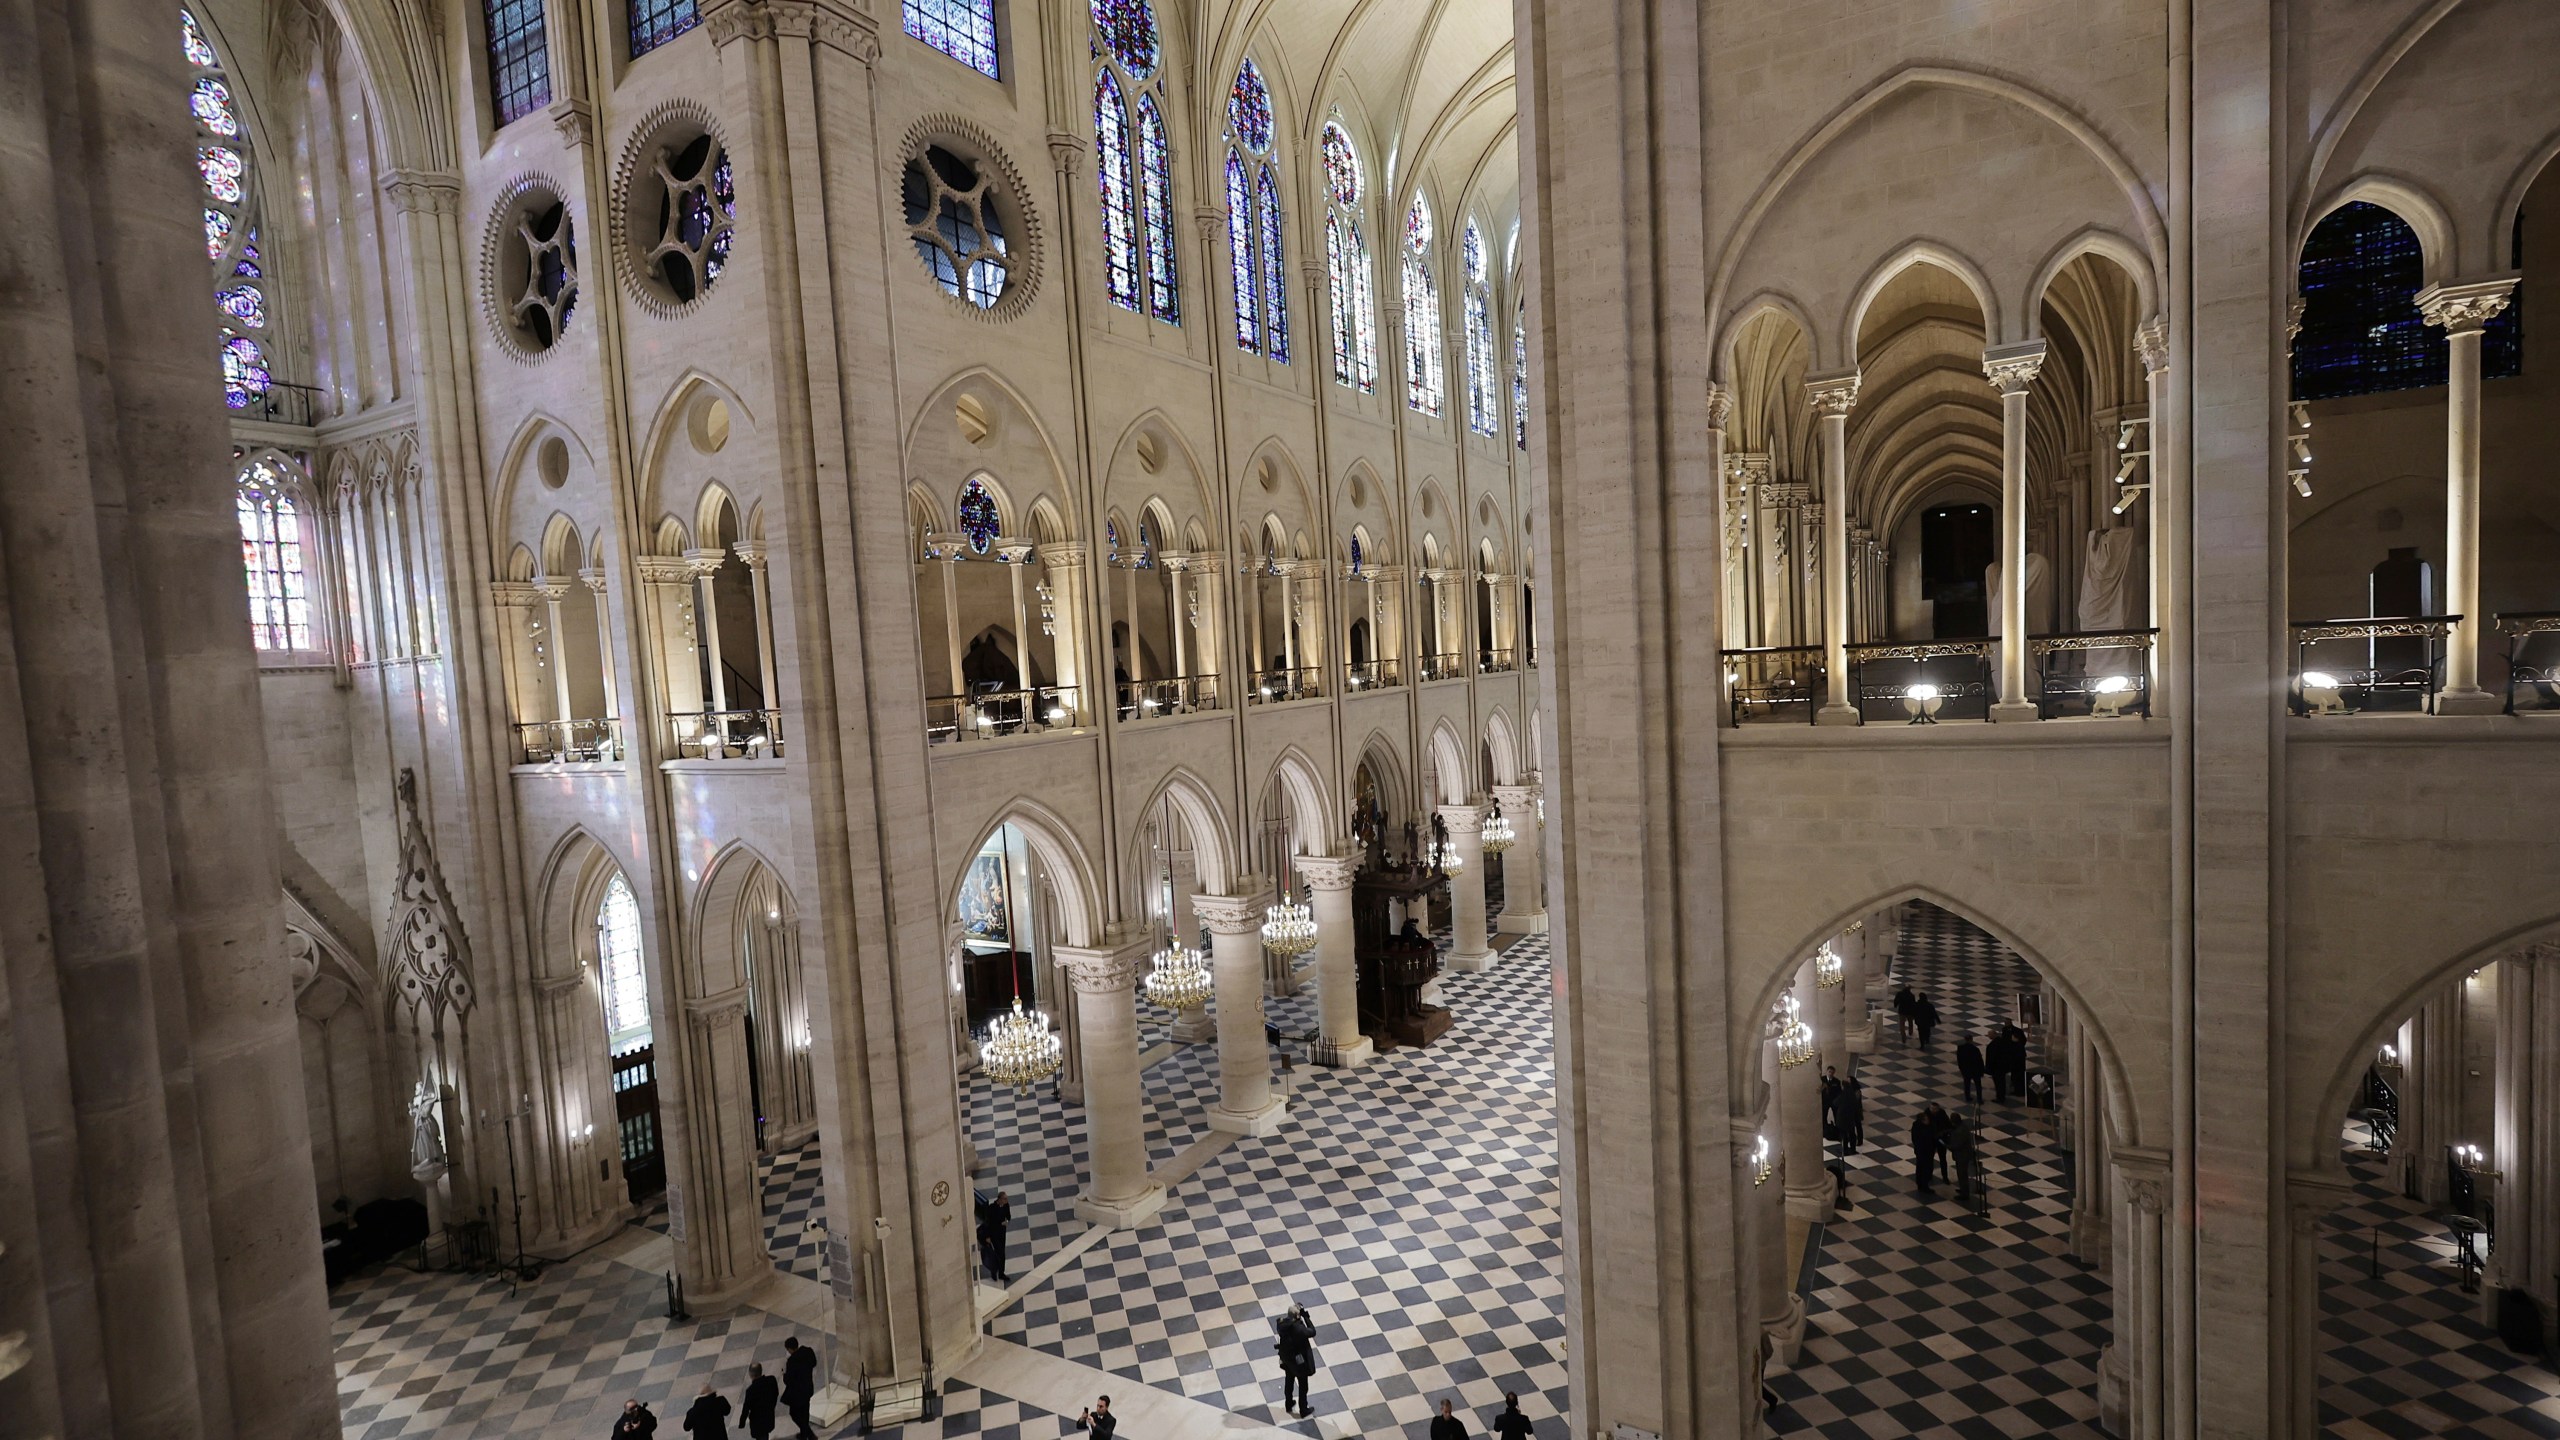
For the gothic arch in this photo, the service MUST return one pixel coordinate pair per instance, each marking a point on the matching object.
(670, 422)
(2106, 244)
(1921, 252)
(1307, 796)
(1449, 764)
(1499, 739)
(1212, 839)
(1054, 841)
(571, 882)
(2409, 200)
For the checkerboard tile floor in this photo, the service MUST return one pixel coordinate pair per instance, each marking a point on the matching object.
(1926, 1320)
(2407, 1354)
(1411, 1205)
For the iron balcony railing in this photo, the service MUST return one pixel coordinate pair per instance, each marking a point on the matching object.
(1449, 665)
(2533, 661)
(2369, 663)
(1773, 682)
(1176, 695)
(2099, 673)
(995, 714)
(728, 734)
(1272, 687)
(1922, 682)
(570, 742)
(1497, 662)
(1373, 675)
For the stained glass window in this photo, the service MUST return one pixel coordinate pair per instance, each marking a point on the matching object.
(1275, 273)
(1249, 110)
(1111, 538)
(519, 57)
(1355, 554)
(2362, 267)
(271, 556)
(951, 218)
(655, 22)
(1347, 265)
(619, 968)
(979, 518)
(1484, 397)
(1240, 254)
(230, 221)
(1254, 246)
(1133, 162)
(965, 30)
(1520, 377)
(1423, 384)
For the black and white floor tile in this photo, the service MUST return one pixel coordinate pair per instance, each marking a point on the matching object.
(1924, 1318)
(1411, 1205)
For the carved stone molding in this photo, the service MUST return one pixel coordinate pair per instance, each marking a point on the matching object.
(435, 191)
(514, 594)
(1465, 819)
(1066, 152)
(1100, 972)
(1231, 914)
(1719, 404)
(576, 122)
(430, 955)
(663, 570)
(1832, 394)
(2151, 342)
(709, 1012)
(2464, 308)
(1330, 872)
(2012, 368)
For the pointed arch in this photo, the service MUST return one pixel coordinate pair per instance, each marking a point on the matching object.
(2106, 244)
(1053, 840)
(1449, 764)
(1505, 745)
(667, 423)
(1986, 296)
(1213, 840)
(1308, 795)
(2417, 208)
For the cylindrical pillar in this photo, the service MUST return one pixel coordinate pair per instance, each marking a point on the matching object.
(1856, 957)
(1781, 1308)
(1245, 1105)
(1329, 880)
(2011, 369)
(1468, 950)
(1117, 1191)
(752, 553)
(1800, 1116)
(1524, 897)
(951, 634)
(706, 624)
(553, 592)
(1832, 1028)
(1832, 397)
(2463, 311)
(1017, 560)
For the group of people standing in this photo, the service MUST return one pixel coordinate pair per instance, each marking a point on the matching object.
(708, 1416)
(2005, 1058)
(1939, 1140)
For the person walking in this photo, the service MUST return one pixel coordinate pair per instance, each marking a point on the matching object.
(1969, 1064)
(1905, 1004)
(755, 1408)
(1924, 1013)
(1960, 1144)
(1924, 1151)
(635, 1422)
(1851, 1107)
(2017, 1062)
(799, 1383)
(709, 1415)
(1830, 1102)
(1511, 1424)
(995, 1227)
(1297, 1342)
(1998, 1059)
(1100, 1420)
(1940, 1124)
(1447, 1426)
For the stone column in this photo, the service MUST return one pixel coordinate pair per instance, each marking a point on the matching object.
(1468, 950)
(1856, 959)
(2515, 1261)
(721, 1237)
(1179, 615)
(1118, 1191)
(1329, 880)
(2011, 369)
(1832, 1024)
(1782, 1317)
(594, 580)
(1809, 1190)
(1063, 618)
(514, 602)
(1524, 894)
(946, 548)
(2308, 1203)
(2132, 1371)
(706, 622)
(1245, 1105)
(2151, 342)
(1016, 556)
(555, 656)
(2092, 1220)
(1832, 396)
(752, 554)
(2463, 310)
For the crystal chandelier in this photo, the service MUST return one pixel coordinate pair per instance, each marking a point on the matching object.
(1763, 1164)
(1019, 1050)
(1827, 971)
(1795, 1038)
(1497, 834)
(1444, 856)
(1288, 928)
(1180, 979)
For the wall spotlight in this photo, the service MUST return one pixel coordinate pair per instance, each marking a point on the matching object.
(2110, 695)
(1921, 702)
(2301, 483)
(2320, 693)
(2124, 471)
(2126, 497)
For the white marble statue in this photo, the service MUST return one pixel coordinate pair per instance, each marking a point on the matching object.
(426, 1134)
(2108, 573)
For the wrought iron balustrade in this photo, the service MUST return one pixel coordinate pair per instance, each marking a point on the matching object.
(1373, 675)
(1496, 662)
(1177, 695)
(995, 714)
(1271, 687)
(728, 734)
(572, 742)
(2533, 669)
(2093, 672)
(1772, 682)
(1446, 666)
(2369, 663)
(1923, 681)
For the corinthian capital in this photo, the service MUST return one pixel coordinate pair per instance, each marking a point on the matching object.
(1330, 872)
(1719, 404)
(2463, 308)
(1232, 914)
(434, 191)
(2012, 368)
(1833, 393)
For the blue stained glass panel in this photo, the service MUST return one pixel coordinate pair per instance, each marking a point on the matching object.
(222, 171)
(1520, 379)
(1355, 554)
(244, 372)
(1119, 192)
(965, 30)
(519, 57)
(1155, 191)
(212, 107)
(1341, 166)
(243, 303)
(979, 518)
(1275, 275)
(199, 50)
(2362, 267)
(1249, 110)
(217, 233)
(1240, 254)
(655, 22)
(1128, 29)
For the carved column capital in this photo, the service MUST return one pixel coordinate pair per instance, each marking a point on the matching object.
(664, 570)
(1233, 914)
(2151, 342)
(1211, 222)
(1833, 393)
(1331, 872)
(1719, 404)
(575, 120)
(1107, 970)
(705, 563)
(1015, 552)
(1066, 152)
(709, 1012)
(1467, 819)
(514, 594)
(2012, 368)
(1063, 554)
(2463, 308)
(1520, 802)
(751, 553)
(592, 579)
(434, 191)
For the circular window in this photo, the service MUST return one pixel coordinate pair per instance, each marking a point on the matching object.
(957, 226)
(678, 215)
(969, 216)
(530, 268)
(551, 462)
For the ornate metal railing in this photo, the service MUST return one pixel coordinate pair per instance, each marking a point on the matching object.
(1772, 682)
(1496, 662)
(1374, 675)
(1448, 666)
(2093, 672)
(2536, 685)
(1922, 681)
(1272, 687)
(728, 734)
(994, 714)
(572, 742)
(1177, 695)
(2400, 667)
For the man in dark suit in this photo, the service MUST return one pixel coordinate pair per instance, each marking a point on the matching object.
(995, 1227)
(1446, 1426)
(1297, 1344)
(1924, 1151)
(755, 1411)
(799, 1384)
(1924, 1013)
(2017, 1061)
(709, 1415)
(1969, 1064)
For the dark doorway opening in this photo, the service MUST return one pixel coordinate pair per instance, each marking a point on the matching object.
(1957, 543)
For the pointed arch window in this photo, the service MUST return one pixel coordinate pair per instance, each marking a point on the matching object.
(1520, 377)
(1253, 220)
(231, 223)
(1134, 161)
(655, 22)
(519, 57)
(1424, 382)
(980, 520)
(2361, 269)
(965, 30)
(274, 556)
(1347, 265)
(620, 968)
(1484, 394)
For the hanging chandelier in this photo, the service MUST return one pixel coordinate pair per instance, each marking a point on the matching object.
(1288, 928)
(1763, 1164)
(1828, 972)
(1795, 1038)
(1498, 834)
(1180, 979)
(1019, 1050)
(1444, 856)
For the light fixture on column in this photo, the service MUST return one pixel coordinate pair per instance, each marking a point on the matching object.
(1019, 1049)
(1795, 1039)
(1498, 833)
(1764, 1161)
(2133, 443)
(1441, 851)
(1921, 703)
(2473, 1161)
(1828, 972)
(2299, 442)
